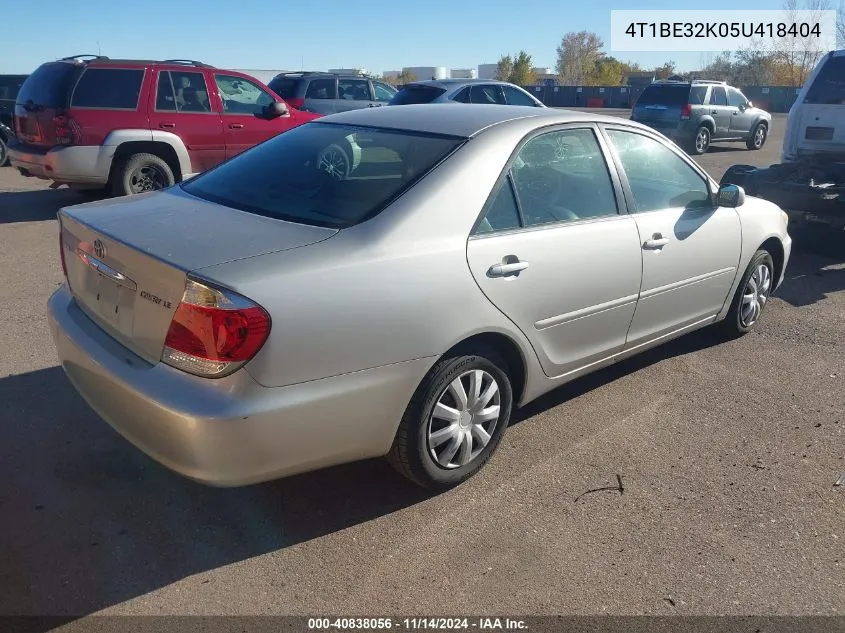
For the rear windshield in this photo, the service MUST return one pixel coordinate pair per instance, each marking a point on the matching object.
(49, 85)
(311, 174)
(10, 85)
(665, 95)
(416, 94)
(829, 85)
(285, 87)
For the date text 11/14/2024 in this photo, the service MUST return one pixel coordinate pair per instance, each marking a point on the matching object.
(417, 624)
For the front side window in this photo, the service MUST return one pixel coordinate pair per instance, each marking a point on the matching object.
(308, 174)
(109, 88)
(354, 89)
(383, 91)
(736, 99)
(517, 97)
(241, 96)
(182, 91)
(659, 178)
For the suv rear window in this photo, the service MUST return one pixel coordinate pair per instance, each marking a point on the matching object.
(117, 88)
(829, 85)
(303, 175)
(285, 87)
(665, 95)
(49, 85)
(416, 94)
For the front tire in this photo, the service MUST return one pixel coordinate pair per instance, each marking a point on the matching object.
(141, 173)
(758, 137)
(454, 421)
(4, 152)
(751, 296)
(701, 141)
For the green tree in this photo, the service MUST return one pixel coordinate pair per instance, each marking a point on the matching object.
(523, 70)
(608, 71)
(504, 68)
(405, 77)
(577, 56)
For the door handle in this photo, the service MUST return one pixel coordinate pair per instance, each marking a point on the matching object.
(167, 125)
(657, 241)
(505, 270)
(236, 126)
(714, 112)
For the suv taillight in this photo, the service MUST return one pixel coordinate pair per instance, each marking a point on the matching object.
(66, 129)
(214, 332)
(296, 103)
(686, 111)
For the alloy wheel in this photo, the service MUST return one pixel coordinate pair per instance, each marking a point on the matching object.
(755, 295)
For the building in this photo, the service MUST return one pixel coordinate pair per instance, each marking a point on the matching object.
(487, 71)
(349, 71)
(427, 72)
(264, 76)
(464, 73)
(391, 74)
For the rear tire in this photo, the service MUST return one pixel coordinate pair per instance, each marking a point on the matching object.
(442, 441)
(141, 173)
(4, 152)
(701, 141)
(758, 137)
(751, 296)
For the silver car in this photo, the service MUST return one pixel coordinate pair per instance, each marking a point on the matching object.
(270, 317)
(478, 91)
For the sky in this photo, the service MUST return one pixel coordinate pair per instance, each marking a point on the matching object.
(377, 35)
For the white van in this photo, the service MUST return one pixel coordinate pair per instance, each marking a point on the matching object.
(816, 121)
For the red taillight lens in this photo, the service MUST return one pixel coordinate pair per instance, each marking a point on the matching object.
(686, 111)
(66, 129)
(214, 332)
(296, 103)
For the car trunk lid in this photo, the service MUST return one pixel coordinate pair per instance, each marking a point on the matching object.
(43, 96)
(127, 260)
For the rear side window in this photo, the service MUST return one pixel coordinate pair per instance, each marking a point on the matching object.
(718, 96)
(307, 175)
(113, 88)
(49, 85)
(665, 95)
(416, 94)
(321, 89)
(462, 96)
(285, 87)
(829, 85)
(182, 91)
(736, 98)
(697, 95)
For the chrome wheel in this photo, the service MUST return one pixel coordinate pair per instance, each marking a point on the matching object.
(759, 136)
(702, 140)
(147, 178)
(463, 419)
(3, 153)
(755, 295)
(333, 161)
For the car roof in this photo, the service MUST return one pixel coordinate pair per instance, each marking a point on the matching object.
(456, 82)
(462, 120)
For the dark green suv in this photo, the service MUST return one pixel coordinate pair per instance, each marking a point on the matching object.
(696, 113)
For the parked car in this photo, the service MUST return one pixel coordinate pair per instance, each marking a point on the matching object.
(131, 126)
(256, 322)
(329, 93)
(696, 113)
(464, 91)
(9, 87)
(809, 182)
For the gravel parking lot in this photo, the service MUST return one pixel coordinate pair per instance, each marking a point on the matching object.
(727, 451)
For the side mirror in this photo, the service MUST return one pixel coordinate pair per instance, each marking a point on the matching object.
(731, 196)
(275, 110)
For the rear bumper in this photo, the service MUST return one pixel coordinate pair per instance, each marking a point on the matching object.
(231, 431)
(85, 164)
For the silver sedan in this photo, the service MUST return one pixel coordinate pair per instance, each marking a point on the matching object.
(274, 315)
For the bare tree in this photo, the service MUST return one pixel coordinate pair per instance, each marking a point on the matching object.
(797, 55)
(840, 25)
(577, 56)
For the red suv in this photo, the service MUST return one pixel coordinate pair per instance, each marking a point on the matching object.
(130, 126)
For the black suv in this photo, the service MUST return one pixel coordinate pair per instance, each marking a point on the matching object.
(10, 85)
(328, 93)
(694, 113)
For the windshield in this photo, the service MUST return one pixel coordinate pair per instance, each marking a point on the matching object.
(416, 94)
(829, 85)
(323, 174)
(665, 95)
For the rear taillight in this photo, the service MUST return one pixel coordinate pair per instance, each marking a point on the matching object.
(686, 111)
(296, 103)
(66, 129)
(214, 332)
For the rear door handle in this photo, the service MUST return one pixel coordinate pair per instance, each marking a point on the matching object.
(236, 126)
(505, 270)
(167, 125)
(657, 241)
(714, 112)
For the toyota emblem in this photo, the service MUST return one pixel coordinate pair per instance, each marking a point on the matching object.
(99, 249)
